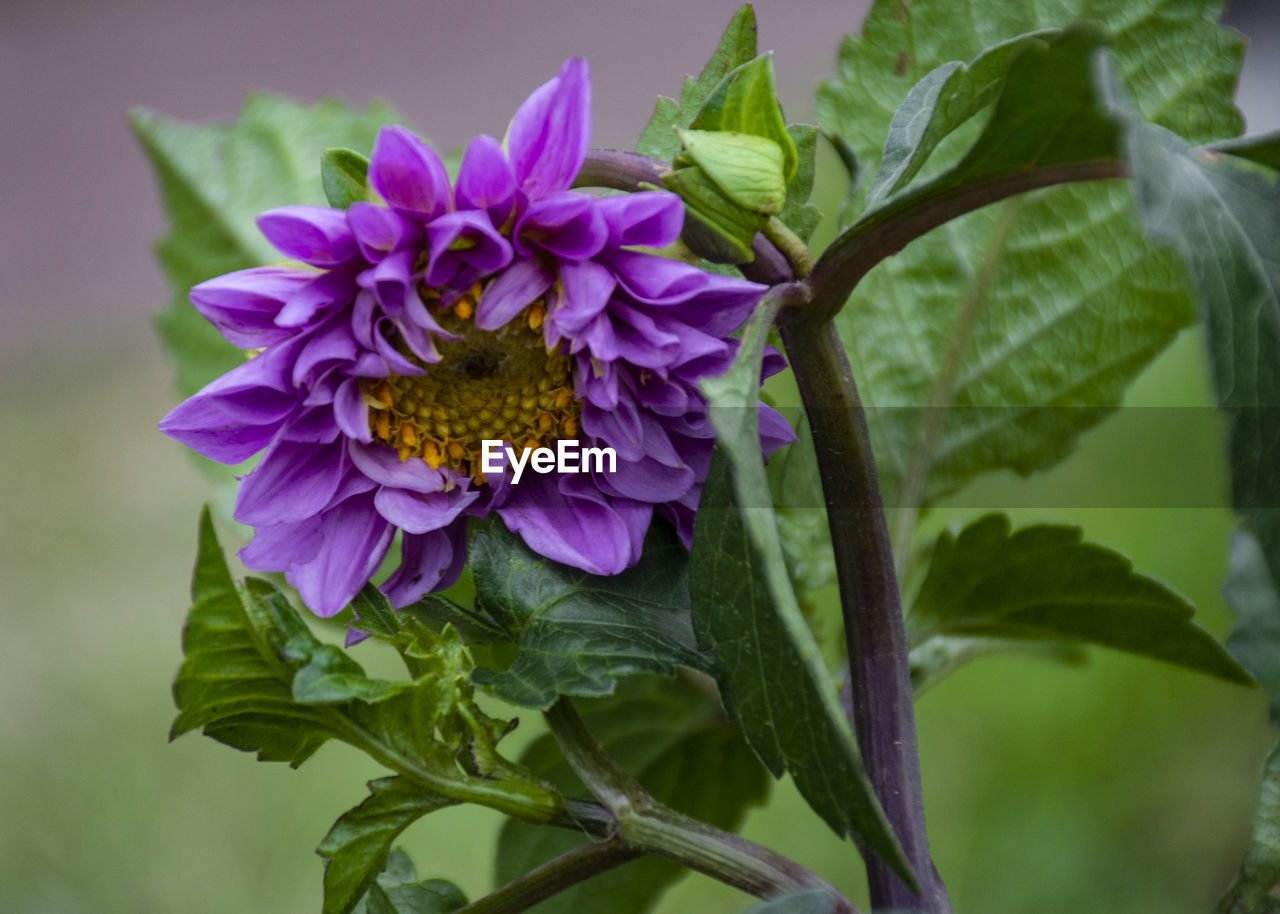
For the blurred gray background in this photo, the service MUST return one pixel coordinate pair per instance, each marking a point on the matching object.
(1045, 791)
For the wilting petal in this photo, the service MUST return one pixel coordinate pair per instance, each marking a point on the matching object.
(585, 290)
(351, 412)
(379, 230)
(243, 305)
(355, 538)
(650, 218)
(485, 179)
(548, 136)
(517, 287)
(275, 547)
(325, 292)
(408, 174)
(383, 465)
(317, 235)
(714, 304)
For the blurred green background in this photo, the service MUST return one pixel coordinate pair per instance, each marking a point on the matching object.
(1123, 786)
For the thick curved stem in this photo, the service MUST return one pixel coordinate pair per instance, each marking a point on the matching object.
(883, 712)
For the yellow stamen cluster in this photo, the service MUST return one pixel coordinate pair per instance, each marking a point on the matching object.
(488, 385)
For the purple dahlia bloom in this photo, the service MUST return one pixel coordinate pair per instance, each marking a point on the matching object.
(506, 307)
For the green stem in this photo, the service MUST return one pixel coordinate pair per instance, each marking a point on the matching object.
(790, 244)
(646, 826)
(553, 877)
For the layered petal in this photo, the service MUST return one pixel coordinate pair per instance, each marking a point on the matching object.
(548, 137)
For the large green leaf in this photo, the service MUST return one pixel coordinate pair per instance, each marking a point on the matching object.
(1019, 325)
(1251, 592)
(671, 736)
(1222, 214)
(577, 633)
(214, 180)
(768, 665)
(1257, 887)
(356, 848)
(737, 46)
(1045, 583)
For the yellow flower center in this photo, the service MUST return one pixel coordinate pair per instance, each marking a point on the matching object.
(488, 385)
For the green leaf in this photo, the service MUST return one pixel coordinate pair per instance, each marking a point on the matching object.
(247, 654)
(1013, 329)
(814, 901)
(746, 102)
(747, 169)
(374, 613)
(355, 850)
(797, 213)
(1263, 148)
(578, 633)
(941, 655)
(745, 611)
(344, 174)
(233, 681)
(670, 735)
(1251, 591)
(436, 611)
(1045, 583)
(397, 890)
(214, 180)
(935, 107)
(737, 46)
(1257, 886)
(1222, 214)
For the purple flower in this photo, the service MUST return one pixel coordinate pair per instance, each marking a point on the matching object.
(505, 307)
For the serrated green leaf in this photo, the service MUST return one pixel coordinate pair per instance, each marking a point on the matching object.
(814, 901)
(670, 735)
(745, 611)
(1045, 583)
(1257, 886)
(1062, 300)
(344, 174)
(355, 850)
(232, 683)
(214, 180)
(374, 613)
(940, 655)
(331, 677)
(746, 102)
(737, 46)
(578, 633)
(436, 611)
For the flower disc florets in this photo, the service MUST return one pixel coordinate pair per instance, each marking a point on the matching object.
(502, 307)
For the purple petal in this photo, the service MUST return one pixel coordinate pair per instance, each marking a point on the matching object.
(383, 465)
(355, 540)
(431, 561)
(573, 530)
(351, 412)
(649, 218)
(408, 174)
(379, 230)
(332, 343)
(518, 286)
(485, 179)
(566, 224)
(415, 512)
(316, 235)
(548, 136)
(391, 280)
(243, 305)
(275, 547)
(325, 292)
(715, 304)
(646, 480)
(775, 431)
(477, 242)
(237, 415)
(585, 290)
(294, 480)
(315, 426)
